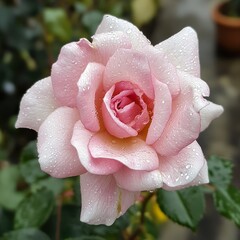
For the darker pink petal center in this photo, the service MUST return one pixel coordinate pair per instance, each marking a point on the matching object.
(129, 106)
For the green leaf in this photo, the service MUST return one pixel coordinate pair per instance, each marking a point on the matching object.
(34, 210)
(29, 152)
(25, 234)
(7, 221)
(185, 207)
(220, 171)
(55, 185)
(57, 23)
(227, 202)
(91, 20)
(31, 171)
(9, 197)
(86, 238)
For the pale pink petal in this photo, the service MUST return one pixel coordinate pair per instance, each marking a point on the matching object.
(57, 156)
(182, 50)
(102, 200)
(37, 103)
(161, 112)
(129, 65)
(88, 85)
(67, 70)
(199, 88)
(182, 128)
(163, 70)
(132, 152)
(100, 166)
(112, 24)
(180, 170)
(132, 180)
(107, 44)
(202, 177)
(113, 125)
(209, 113)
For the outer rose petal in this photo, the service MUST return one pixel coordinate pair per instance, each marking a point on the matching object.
(113, 125)
(161, 112)
(179, 171)
(202, 177)
(138, 180)
(112, 24)
(163, 70)
(182, 50)
(80, 141)
(129, 65)
(88, 84)
(66, 72)
(107, 44)
(182, 128)
(37, 103)
(57, 156)
(133, 153)
(102, 200)
(209, 113)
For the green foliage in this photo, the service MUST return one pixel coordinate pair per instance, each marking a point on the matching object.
(220, 171)
(25, 234)
(34, 210)
(227, 202)
(185, 207)
(226, 197)
(10, 197)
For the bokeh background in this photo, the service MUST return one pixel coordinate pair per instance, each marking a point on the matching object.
(31, 35)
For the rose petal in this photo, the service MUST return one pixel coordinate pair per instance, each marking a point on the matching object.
(88, 84)
(66, 72)
(113, 125)
(112, 24)
(132, 152)
(102, 200)
(182, 128)
(163, 70)
(161, 112)
(180, 170)
(129, 65)
(57, 156)
(209, 113)
(182, 50)
(138, 180)
(202, 177)
(80, 141)
(107, 44)
(36, 105)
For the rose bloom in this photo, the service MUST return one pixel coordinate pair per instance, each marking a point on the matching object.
(122, 114)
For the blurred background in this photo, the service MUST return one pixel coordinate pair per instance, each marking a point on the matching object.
(32, 33)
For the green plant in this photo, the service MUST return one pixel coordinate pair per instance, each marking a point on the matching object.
(233, 8)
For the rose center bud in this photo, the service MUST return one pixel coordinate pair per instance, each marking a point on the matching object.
(129, 106)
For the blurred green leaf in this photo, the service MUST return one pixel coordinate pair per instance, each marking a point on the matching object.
(9, 197)
(54, 185)
(86, 238)
(29, 152)
(57, 23)
(91, 20)
(35, 209)
(185, 207)
(220, 171)
(7, 18)
(25, 234)
(80, 7)
(227, 202)
(6, 221)
(31, 171)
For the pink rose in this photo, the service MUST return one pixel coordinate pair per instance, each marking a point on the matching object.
(122, 114)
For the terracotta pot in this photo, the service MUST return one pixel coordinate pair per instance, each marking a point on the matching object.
(227, 30)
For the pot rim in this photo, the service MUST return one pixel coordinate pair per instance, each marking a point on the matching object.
(223, 19)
